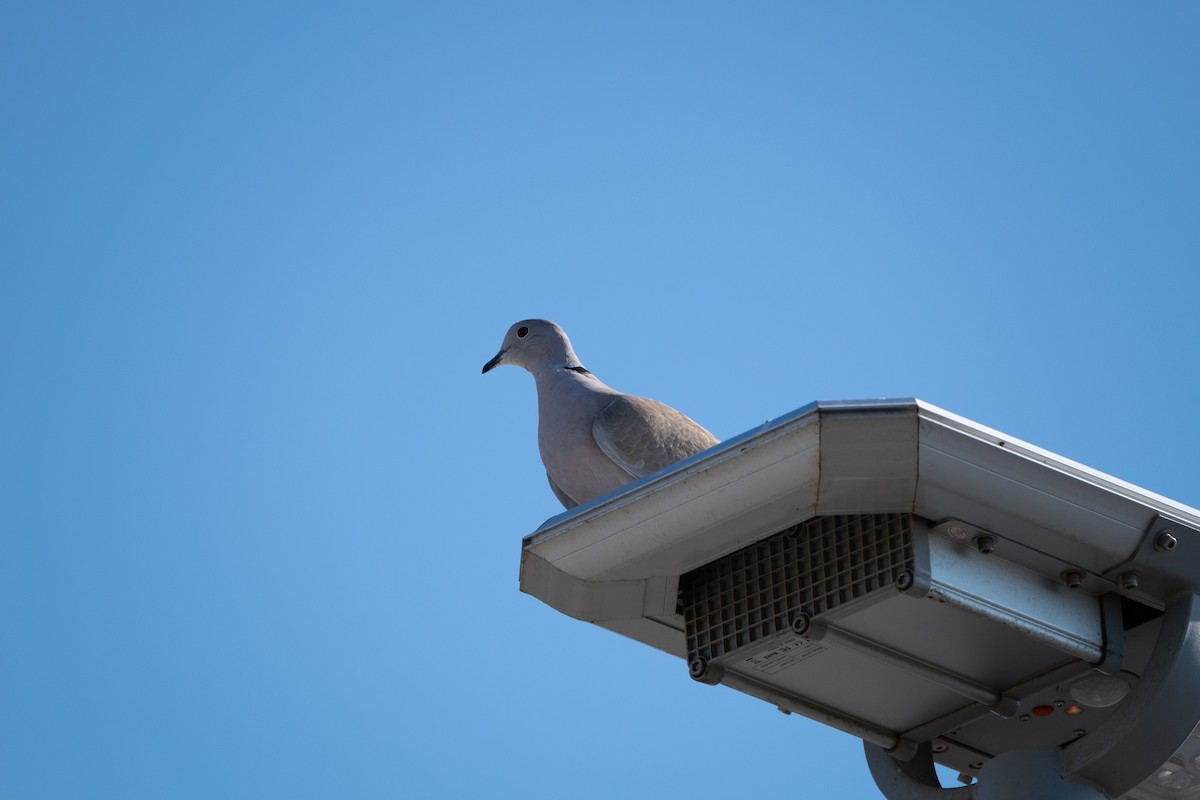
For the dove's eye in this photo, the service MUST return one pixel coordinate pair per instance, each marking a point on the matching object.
(522, 332)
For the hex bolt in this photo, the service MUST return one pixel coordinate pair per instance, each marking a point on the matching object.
(1165, 542)
(985, 544)
(801, 623)
(904, 580)
(1128, 581)
(1073, 578)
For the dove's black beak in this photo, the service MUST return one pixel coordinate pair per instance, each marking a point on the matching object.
(493, 363)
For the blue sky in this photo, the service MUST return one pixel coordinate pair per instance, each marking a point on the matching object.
(260, 513)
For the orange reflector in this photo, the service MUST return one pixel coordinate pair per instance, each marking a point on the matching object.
(1073, 710)
(1043, 711)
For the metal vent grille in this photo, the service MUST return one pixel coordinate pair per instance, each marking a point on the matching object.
(812, 568)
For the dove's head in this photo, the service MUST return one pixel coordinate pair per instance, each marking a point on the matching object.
(535, 344)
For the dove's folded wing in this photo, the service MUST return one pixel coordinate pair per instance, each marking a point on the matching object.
(643, 436)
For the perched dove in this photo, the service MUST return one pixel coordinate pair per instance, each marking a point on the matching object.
(593, 439)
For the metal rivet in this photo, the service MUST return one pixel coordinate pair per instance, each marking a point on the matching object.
(1165, 542)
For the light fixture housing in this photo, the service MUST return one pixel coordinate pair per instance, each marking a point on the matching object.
(893, 570)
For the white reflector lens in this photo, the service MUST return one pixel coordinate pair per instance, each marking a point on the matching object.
(1100, 691)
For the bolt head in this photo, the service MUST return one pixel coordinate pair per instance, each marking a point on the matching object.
(1165, 542)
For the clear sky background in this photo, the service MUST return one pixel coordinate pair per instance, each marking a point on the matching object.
(260, 513)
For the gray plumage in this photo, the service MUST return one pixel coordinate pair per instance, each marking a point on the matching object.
(592, 438)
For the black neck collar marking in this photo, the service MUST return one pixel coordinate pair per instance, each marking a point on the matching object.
(581, 370)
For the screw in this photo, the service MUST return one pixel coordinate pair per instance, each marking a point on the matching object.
(1073, 578)
(976, 764)
(940, 748)
(1128, 581)
(986, 544)
(1079, 732)
(1025, 718)
(801, 623)
(697, 667)
(904, 580)
(1059, 703)
(1165, 542)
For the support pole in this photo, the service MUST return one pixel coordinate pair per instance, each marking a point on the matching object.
(1036, 773)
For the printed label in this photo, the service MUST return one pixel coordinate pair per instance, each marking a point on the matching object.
(783, 656)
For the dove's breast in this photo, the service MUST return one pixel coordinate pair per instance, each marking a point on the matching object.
(567, 407)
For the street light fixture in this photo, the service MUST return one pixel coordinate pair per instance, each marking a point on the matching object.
(944, 592)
